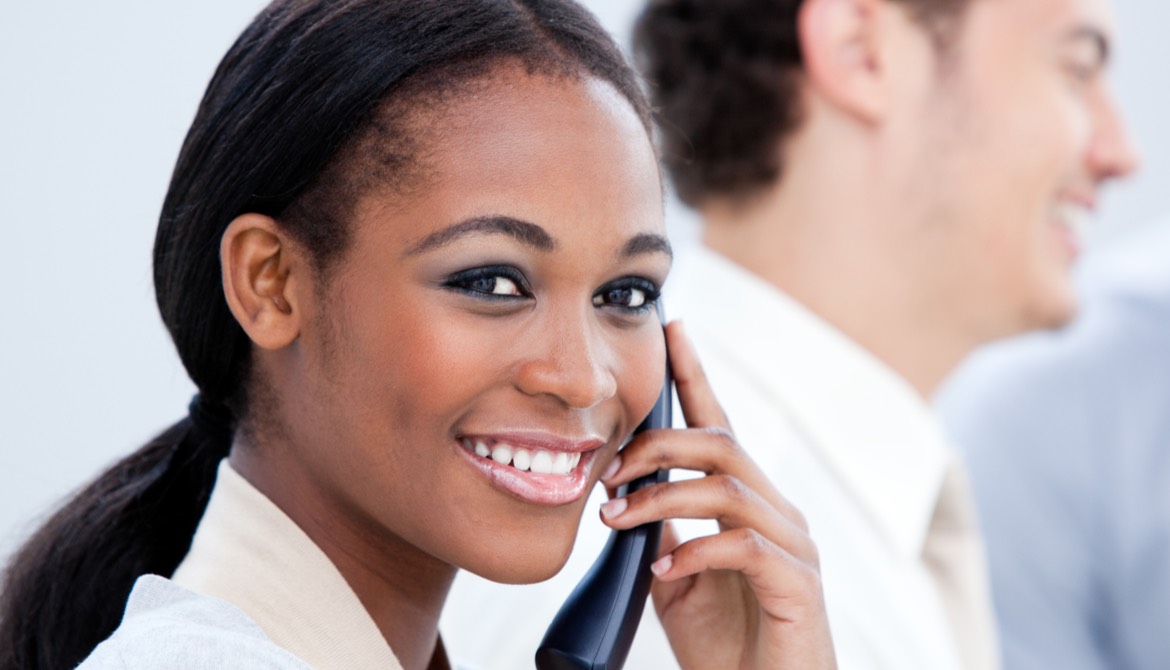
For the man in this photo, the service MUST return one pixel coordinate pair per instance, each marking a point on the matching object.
(883, 186)
(1067, 435)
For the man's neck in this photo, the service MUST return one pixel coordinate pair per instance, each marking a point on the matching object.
(852, 274)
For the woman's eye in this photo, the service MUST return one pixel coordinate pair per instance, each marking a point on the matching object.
(626, 297)
(634, 295)
(495, 286)
(493, 282)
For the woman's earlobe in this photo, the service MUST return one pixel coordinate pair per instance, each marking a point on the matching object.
(259, 273)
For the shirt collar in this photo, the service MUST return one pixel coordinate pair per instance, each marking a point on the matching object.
(870, 427)
(249, 553)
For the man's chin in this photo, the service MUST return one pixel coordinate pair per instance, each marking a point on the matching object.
(1058, 311)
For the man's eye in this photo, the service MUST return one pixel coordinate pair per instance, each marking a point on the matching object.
(1084, 64)
(1083, 72)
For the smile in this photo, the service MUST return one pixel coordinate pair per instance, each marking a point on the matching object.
(538, 469)
(1072, 220)
(539, 461)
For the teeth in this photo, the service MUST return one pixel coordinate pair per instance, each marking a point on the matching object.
(521, 460)
(542, 462)
(560, 464)
(1077, 218)
(502, 454)
(538, 461)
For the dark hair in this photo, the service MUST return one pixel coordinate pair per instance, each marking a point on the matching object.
(304, 112)
(724, 76)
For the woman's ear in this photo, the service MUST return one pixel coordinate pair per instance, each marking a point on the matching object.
(841, 44)
(260, 270)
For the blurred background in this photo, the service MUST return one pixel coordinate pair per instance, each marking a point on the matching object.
(95, 99)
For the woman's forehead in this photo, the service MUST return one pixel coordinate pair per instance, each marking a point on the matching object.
(567, 153)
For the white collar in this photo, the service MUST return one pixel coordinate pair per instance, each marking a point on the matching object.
(870, 426)
(249, 553)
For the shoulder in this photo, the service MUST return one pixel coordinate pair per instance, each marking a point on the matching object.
(1112, 355)
(168, 626)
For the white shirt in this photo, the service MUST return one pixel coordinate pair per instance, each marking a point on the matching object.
(167, 626)
(253, 584)
(843, 437)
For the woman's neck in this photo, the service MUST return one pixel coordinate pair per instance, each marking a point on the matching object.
(401, 587)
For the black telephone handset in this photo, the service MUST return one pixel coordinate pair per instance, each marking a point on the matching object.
(595, 627)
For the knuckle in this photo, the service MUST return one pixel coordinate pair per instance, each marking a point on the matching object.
(729, 487)
(661, 449)
(692, 554)
(754, 544)
(724, 440)
(809, 579)
(725, 437)
(800, 520)
(695, 551)
(658, 496)
(813, 556)
(665, 457)
(651, 494)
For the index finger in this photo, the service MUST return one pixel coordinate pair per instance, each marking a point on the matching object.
(699, 405)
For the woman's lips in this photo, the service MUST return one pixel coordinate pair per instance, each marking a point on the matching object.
(537, 468)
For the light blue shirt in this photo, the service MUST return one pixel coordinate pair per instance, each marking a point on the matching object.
(1068, 440)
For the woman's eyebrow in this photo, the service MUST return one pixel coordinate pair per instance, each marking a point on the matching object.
(647, 243)
(523, 231)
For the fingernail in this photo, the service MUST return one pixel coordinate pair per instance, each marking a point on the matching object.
(662, 565)
(614, 508)
(614, 466)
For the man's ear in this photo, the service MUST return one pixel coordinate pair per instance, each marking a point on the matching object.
(260, 271)
(841, 42)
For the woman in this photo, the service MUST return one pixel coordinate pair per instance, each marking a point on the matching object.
(409, 256)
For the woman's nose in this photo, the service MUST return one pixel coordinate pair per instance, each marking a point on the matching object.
(572, 363)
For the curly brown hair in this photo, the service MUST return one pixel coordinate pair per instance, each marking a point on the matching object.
(724, 76)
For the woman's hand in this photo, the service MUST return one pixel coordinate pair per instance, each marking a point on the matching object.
(750, 595)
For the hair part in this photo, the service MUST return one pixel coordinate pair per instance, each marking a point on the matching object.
(725, 77)
(309, 110)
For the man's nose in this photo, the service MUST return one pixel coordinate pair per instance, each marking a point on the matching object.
(1112, 153)
(572, 363)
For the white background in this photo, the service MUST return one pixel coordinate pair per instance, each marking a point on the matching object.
(95, 98)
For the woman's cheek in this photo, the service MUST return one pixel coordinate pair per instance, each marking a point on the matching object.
(643, 370)
(435, 361)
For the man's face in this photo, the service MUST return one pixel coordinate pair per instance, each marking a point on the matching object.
(1021, 133)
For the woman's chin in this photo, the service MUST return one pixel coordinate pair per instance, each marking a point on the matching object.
(523, 567)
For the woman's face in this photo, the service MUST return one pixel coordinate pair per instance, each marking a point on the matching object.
(490, 337)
